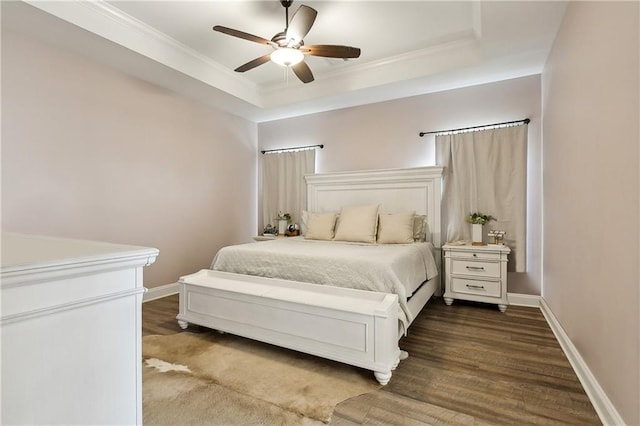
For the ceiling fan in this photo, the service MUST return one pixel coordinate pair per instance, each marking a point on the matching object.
(289, 48)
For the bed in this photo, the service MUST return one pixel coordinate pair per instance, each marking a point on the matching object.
(282, 292)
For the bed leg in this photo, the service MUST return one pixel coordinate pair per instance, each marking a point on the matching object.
(382, 377)
(403, 355)
(183, 324)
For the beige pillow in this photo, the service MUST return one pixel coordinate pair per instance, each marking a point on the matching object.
(358, 224)
(320, 226)
(395, 228)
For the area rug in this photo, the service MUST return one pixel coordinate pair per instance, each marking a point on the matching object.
(212, 378)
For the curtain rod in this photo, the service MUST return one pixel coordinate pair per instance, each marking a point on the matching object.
(525, 121)
(295, 148)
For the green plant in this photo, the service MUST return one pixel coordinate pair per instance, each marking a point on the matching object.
(283, 216)
(479, 218)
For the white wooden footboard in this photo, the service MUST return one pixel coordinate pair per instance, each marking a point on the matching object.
(351, 326)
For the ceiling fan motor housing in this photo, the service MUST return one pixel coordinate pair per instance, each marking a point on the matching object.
(281, 40)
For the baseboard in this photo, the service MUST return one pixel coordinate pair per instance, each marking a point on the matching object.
(603, 406)
(530, 300)
(160, 292)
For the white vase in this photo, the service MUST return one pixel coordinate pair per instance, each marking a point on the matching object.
(476, 234)
(282, 227)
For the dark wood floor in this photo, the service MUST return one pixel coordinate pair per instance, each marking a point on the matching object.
(469, 364)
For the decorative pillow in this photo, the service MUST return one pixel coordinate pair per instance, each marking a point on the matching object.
(427, 232)
(395, 228)
(304, 219)
(358, 224)
(421, 231)
(320, 226)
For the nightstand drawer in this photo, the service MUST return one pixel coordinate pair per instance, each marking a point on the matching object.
(480, 269)
(485, 288)
(478, 254)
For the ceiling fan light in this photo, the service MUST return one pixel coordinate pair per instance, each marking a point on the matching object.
(287, 56)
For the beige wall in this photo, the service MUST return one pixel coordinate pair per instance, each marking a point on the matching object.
(385, 135)
(91, 153)
(591, 193)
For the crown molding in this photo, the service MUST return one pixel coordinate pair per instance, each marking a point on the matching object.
(461, 43)
(426, 62)
(110, 23)
(101, 18)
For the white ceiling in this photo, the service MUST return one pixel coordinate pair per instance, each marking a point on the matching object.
(408, 47)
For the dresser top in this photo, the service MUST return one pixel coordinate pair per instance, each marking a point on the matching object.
(22, 252)
(470, 247)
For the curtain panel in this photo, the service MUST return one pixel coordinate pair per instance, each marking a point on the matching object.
(283, 185)
(486, 171)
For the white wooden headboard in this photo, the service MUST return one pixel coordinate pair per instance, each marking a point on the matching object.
(396, 190)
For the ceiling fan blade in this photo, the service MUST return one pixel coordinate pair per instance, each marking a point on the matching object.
(331, 51)
(243, 35)
(302, 70)
(301, 23)
(252, 64)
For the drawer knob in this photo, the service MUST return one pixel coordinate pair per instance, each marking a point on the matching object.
(475, 268)
(475, 254)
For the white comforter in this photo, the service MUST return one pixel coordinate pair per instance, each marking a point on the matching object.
(387, 268)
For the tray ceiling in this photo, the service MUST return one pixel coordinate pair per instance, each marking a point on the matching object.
(408, 48)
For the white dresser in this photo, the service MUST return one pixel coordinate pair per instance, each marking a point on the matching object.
(71, 331)
(477, 273)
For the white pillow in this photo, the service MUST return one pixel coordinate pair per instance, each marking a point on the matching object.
(396, 228)
(358, 224)
(320, 226)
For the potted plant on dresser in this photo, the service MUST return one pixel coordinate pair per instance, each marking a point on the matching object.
(477, 221)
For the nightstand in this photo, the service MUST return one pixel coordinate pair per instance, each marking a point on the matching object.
(477, 273)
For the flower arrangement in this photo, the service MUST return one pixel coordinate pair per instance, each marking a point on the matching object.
(283, 216)
(479, 218)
